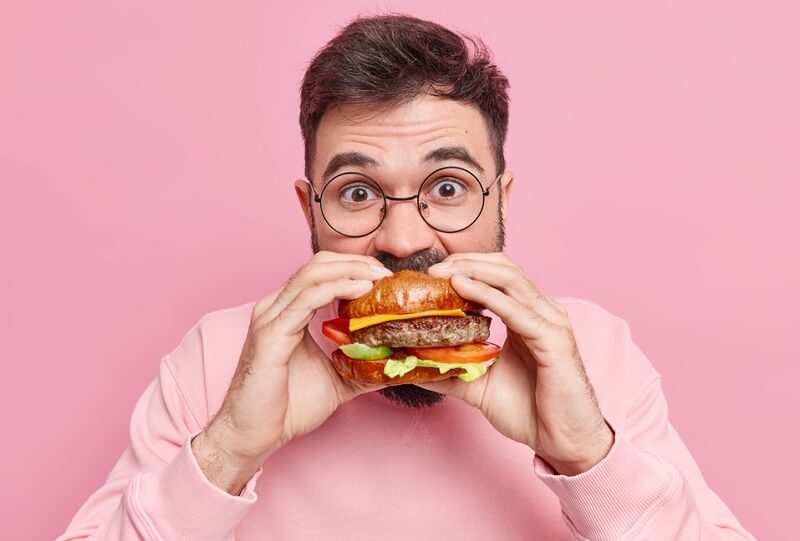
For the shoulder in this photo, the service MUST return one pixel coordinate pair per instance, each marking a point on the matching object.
(595, 327)
(224, 329)
(593, 323)
(615, 365)
(215, 333)
(205, 359)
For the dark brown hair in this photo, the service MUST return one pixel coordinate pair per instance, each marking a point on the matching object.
(388, 60)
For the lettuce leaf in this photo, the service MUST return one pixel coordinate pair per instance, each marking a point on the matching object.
(395, 368)
(366, 353)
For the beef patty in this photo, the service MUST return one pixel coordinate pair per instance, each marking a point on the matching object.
(425, 331)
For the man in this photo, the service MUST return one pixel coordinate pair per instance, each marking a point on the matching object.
(248, 431)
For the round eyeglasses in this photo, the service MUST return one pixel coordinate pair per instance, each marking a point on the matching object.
(450, 199)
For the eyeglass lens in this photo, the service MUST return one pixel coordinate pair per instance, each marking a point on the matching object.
(449, 200)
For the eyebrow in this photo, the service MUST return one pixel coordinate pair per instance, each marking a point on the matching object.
(347, 159)
(436, 156)
(446, 154)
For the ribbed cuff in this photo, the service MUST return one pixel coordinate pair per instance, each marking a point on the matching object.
(618, 495)
(178, 502)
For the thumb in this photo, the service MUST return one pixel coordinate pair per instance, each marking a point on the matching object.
(471, 393)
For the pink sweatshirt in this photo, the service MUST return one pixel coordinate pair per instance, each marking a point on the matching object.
(376, 470)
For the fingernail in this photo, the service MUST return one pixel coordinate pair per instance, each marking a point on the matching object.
(460, 279)
(443, 265)
(361, 284)
(383, 271)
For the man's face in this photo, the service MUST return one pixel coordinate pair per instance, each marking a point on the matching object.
(398, 147)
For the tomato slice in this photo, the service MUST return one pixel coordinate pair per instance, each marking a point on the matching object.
(337, 331)
(466, 353)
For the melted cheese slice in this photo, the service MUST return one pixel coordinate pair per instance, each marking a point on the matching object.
(361, 322)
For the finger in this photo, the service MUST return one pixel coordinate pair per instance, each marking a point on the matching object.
(325, 256)
(518, 317)
(503, 275)
(495, 269)
(263, 304)
(472, 393)
(318, 273)
(297, 314)
(497, 257)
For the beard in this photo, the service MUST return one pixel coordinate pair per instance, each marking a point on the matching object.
(412, 396)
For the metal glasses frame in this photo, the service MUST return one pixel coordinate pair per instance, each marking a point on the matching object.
(387, 198)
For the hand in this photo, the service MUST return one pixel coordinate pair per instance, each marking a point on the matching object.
(538, 392)
(284, 385)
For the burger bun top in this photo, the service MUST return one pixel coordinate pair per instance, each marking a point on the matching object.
(406, 292)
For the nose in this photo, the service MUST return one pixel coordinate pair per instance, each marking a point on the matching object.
(403, 232)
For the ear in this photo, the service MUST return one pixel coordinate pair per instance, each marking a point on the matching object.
(303, 192)
(505, 184)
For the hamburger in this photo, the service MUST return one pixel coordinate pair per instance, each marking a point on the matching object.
(410, 328)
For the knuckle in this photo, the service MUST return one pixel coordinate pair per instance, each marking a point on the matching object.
(529, 301)
(263, 304)
(564, 334)
(537, 325)
(300, 279)
(301, 273)
(301, 302)
(278, 327)
(304, 303)
(511, 276)
(358, 268)
(501, 257)
(323, 255)
(565, 337)
(259, 308)
(462, 266)
(258, 331)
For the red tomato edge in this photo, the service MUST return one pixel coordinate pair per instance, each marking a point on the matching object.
(452, 354)
(337, 331)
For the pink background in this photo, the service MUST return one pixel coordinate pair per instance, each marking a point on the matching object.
(148, 149)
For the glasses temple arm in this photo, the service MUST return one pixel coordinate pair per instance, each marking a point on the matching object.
(486, 190)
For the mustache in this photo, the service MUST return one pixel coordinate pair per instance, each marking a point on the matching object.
(419, 261)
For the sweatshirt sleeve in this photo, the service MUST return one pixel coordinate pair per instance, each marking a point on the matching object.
(156, 491)
(648, 487)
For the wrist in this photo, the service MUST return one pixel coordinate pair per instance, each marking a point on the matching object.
(586, 458)
(228, 471)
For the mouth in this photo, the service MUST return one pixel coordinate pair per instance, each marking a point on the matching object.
(419, 261)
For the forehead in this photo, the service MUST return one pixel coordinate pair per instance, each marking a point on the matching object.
(399, 138)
